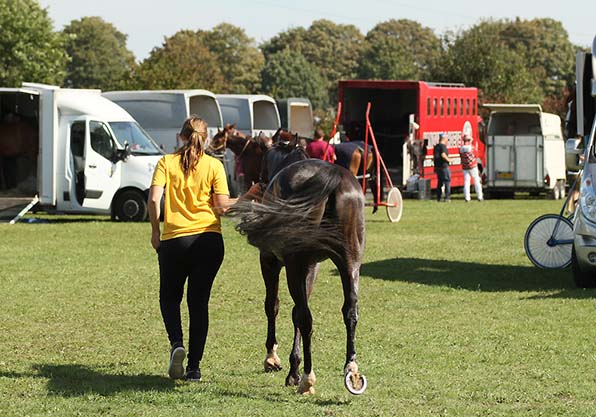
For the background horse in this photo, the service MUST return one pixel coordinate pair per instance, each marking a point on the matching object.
(350, 155)
(310, 211)
(248, 151)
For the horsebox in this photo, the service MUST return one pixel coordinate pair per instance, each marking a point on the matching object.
(74, 151)
(296, 115)
(251, 113)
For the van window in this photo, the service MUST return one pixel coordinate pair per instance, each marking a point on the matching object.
(455, 107)
(467, 107)
(157, 114)
(265, 116)
(428, 106)
(101, 139)
(474, 106)
(442, 109)
(461, 106)
(435, 105)
(238, 115)
(206, 108)
(448, 107)
(77, 139)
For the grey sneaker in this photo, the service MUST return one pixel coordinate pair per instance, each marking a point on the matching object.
(176, 368)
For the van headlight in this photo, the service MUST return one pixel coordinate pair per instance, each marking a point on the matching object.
(588, 200)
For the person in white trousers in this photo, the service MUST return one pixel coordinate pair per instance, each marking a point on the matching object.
(470, 167)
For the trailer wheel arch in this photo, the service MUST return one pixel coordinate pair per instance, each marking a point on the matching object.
(130, 205)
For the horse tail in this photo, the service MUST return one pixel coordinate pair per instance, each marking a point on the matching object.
(294, 220)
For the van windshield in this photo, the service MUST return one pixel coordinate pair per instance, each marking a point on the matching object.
(139, 141)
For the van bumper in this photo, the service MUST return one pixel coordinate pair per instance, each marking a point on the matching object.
(584, 242)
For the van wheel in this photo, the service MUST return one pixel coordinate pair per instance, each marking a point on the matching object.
(130, 206)
(583, 279)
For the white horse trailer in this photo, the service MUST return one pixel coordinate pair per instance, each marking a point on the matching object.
(296, 115)
(525, 150)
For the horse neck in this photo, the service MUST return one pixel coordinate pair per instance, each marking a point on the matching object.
(237, 144)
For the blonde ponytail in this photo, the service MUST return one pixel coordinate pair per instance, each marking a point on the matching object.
(194, 131)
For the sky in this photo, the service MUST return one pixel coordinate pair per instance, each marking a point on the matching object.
(147, 23)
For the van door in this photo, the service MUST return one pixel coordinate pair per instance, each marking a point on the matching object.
(102, 170)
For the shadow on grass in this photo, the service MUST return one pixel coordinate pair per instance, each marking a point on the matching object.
(475, 276)
(76, 380)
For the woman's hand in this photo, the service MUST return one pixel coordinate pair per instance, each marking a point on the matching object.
(155, 241)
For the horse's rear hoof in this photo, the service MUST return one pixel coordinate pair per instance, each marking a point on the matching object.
(272, 365)
(272, 362)
(292, 380)
(307, 384)
(355, 383)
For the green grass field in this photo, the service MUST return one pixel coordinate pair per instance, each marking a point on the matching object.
(454, 321)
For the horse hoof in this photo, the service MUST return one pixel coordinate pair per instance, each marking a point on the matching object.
(292, 380)
(272, 364)
(355, 382)
(307, 384)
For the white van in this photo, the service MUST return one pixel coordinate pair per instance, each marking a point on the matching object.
(162, 112)
(525, 150)
(296, 115)
(583, 254)
(251, 114)
(78, 152)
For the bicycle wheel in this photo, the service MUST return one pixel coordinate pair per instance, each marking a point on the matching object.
(543, 253)
(394, 205)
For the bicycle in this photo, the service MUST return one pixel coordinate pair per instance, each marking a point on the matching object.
(549, 238)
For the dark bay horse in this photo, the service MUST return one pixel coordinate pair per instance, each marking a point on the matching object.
(310, 211)
(248, 152)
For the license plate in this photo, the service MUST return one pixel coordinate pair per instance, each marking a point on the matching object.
(504, 175)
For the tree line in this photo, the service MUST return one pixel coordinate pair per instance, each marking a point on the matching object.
(509, 60)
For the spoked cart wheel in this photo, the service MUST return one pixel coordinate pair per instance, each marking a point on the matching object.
(394, 205)
(548, 241)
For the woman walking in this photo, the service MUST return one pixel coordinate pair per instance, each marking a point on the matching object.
(190, 245)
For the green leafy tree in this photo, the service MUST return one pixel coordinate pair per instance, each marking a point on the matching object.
(238, 58)
(98, 53)
(182, 62)
(399, 50)
(29, 48)
(333, 49)
(292, 38)
(544, 44)
(289, 74)
(479, 57)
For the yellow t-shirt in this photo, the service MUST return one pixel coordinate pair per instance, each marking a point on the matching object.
(188, 200)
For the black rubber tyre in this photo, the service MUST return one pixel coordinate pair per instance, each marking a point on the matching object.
(583, 279)
(131, 206)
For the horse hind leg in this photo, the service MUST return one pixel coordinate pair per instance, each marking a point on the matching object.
(293, 377)
(350, 277)
(270, 269)
(297, 271)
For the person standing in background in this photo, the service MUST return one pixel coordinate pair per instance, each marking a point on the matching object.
(320, 149)
(470, 167)
(441, 161)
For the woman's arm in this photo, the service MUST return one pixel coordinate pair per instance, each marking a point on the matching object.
(154, 205)
(222, 202)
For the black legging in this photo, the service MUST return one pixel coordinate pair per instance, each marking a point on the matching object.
(197, 257)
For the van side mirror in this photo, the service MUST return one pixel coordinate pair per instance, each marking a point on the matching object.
(122, 154)
(573, 162)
